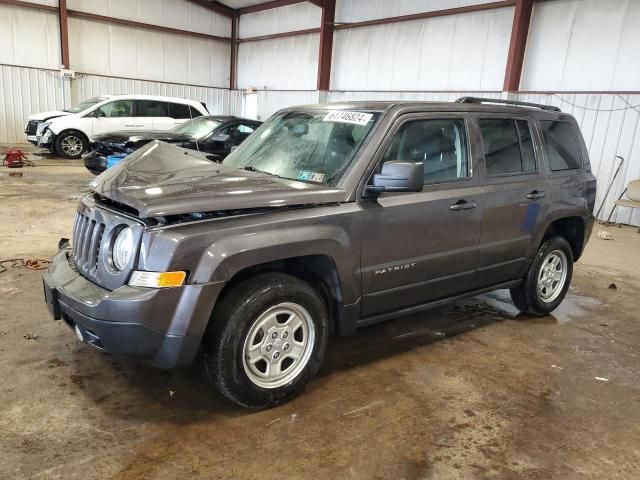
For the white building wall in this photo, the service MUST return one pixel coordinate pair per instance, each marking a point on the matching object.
(455, 52)
(300, 16)
(363, 10)
(147, 54)
(24, 91)
(289, 63)
(180, 14)
(587, 45)
(29, 37)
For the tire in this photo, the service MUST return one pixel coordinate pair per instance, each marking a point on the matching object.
(71, 144)
(258, 320)
(554, 284)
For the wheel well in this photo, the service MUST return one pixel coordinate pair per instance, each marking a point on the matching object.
(77, 132)
(572, 229)
(317, 270)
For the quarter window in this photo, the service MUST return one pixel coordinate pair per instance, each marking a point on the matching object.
(440, 144)
(561, 144)
(181, 111)
(508, 147)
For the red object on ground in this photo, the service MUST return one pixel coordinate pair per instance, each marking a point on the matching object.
(15, 158)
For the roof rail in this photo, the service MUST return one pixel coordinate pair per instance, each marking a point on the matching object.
(507, 102)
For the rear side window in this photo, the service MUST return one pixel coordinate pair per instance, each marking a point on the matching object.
(440, 144)
(181, 111)
(561, 143)
(151, 108)
(508, 147)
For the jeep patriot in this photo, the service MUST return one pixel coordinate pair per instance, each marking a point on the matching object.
(328, 218)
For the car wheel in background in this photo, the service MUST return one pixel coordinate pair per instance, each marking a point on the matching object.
(71, 144)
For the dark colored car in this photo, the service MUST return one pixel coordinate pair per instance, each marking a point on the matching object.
(329, 218)
(216, 135)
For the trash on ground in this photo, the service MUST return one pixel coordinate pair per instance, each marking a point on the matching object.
(601, 379)
(604, 235)
(613, 286)
(31, 336)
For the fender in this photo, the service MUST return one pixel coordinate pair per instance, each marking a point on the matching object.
(558, 214)
(231, 254)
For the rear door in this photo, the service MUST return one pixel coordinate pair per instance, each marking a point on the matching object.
(516, 196)
(153, 115)
(422, 246)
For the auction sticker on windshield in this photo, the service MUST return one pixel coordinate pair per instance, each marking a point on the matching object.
(357, 118)
(311, 176)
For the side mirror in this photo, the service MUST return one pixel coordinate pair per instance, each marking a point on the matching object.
(99, 114)
(220, 137)
(399, 176)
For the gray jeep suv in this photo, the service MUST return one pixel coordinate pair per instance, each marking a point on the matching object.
(328, 218)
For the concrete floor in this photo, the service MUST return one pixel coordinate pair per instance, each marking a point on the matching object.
(468, 391)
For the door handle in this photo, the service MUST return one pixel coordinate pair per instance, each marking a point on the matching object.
(130, 125)
(536, 195)
(462, 205)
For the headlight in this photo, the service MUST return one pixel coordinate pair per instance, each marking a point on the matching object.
(122, 249)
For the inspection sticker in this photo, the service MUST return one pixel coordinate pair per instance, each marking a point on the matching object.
(358, 118)
(311, 176)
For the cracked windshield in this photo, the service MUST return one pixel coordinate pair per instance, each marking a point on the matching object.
(314, 146)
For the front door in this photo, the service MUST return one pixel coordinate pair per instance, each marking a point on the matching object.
(113, 116)
(515, 197)
(422, 246)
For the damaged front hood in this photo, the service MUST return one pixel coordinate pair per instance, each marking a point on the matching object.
(162, 179)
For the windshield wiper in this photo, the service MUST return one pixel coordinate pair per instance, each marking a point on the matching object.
(249, 168)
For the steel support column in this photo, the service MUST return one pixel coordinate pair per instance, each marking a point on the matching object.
(518, 45)
(326, 44)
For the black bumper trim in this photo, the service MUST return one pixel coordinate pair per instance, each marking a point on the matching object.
(133, 339)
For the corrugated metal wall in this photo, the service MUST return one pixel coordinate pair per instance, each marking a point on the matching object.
(25, 91)
(218, 100)
(456, 52)
(583, 45)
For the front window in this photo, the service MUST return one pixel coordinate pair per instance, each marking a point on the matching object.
(116, 109)
(440, 144)
(197, 128)
(86, 104)
(315, 146)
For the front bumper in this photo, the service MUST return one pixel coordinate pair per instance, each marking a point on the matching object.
(95, 162)
(162, 327)
(32, 139)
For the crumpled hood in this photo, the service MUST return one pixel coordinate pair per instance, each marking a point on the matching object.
(124, 136)
(162, 179)
(42, 116)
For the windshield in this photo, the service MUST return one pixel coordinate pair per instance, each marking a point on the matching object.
(313, 146)
(197, 128)
(86, 104)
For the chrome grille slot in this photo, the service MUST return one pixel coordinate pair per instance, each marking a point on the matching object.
(87, 237)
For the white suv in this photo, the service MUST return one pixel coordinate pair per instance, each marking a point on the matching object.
(35, 123)
(69, 135)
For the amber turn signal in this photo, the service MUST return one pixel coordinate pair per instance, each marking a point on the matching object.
(157, 279)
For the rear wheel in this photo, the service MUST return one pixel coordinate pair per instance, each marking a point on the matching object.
(545, 284)
(266, 340)
(71, 144)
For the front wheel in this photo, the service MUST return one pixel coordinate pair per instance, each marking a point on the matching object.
(546, 283)
(71, 145)
(266, 340)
